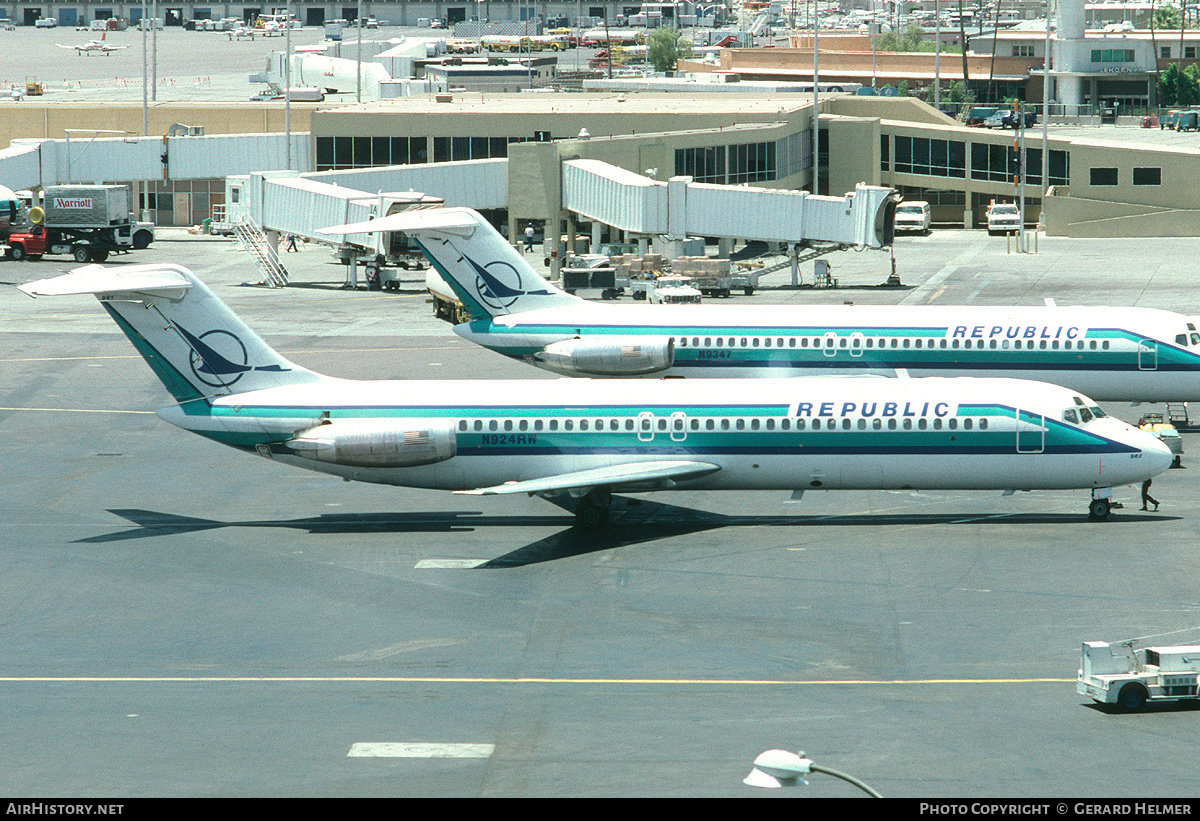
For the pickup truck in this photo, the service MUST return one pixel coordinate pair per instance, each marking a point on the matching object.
(1003, 218)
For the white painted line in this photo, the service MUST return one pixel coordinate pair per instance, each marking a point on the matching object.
(449, 564)
(401, 749)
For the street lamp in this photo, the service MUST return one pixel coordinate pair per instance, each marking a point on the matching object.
(778, 768)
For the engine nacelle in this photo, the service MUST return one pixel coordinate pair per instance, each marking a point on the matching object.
(607, 356)
(378, 443)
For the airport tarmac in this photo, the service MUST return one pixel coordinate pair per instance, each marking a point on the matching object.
(181, 619)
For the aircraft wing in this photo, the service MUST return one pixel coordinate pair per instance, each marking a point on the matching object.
(655, 474)
(427, 218)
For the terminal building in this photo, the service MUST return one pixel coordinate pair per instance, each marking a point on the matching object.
(1096, 188)
(504, 152)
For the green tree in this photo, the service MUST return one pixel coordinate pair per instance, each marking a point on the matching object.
(665, 48)
(1166, 17)
(957, 92)
(1188, 89)
(1168, 85)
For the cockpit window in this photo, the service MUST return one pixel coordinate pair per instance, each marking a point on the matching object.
(1083, 414)
(1181, 339)
(1195, 338)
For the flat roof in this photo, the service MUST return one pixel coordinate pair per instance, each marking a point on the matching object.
(552, 102)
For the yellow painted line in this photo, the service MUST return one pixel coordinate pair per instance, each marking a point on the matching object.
(450, 680)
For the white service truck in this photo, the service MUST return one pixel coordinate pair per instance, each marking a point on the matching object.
(1129, 677)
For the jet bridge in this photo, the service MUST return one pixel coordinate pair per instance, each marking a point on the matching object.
(680, 208)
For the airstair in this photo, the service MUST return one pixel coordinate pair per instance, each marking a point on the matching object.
(1177, 415)
(811, 252)
(266, 255)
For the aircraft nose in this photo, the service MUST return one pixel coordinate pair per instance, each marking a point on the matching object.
(1157, 455)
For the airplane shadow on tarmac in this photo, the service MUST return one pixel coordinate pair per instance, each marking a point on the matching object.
(631, 522)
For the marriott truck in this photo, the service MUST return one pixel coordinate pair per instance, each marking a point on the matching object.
(88, 222)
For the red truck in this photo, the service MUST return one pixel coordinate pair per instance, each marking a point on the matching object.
(88, 222)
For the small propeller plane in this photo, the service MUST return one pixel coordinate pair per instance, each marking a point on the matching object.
(94, 46)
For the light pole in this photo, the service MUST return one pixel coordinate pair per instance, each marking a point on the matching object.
(816, 21)
(778, 768)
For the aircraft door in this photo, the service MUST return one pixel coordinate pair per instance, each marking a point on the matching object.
(856, 344)
(829, 344)
(1031, 432)
(1147, 355)
(645, 426)
(678, 426)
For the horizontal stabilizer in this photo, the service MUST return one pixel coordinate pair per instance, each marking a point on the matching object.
(96, 279)
(427, 219)
(632, 473)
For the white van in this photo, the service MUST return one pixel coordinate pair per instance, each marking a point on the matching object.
(913, 216)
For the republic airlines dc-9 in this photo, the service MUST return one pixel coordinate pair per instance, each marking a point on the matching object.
(589, 438)
(1110, 354)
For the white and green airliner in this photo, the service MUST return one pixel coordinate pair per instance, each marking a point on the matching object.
(588, 438)
(1110, 354)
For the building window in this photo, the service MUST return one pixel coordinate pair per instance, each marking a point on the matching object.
(1165, 52)
(1058, 167)
(751, 162)
(885, 145)
(1189, 52)
(937, 158)
(1112, 55)
(1147, 176)
(990, 162)
(1022, 51)
(335, 153)
(701, 164)
(1102, 176)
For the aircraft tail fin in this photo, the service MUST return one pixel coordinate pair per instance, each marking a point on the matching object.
(484, 270)
(191, 339)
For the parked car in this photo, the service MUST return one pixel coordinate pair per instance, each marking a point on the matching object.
(1003, 218)
(977, 115)
(1011, 119)
(912, 216)
(45, 23)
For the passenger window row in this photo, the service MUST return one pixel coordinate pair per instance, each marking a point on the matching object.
(680, 423)
(890, 343)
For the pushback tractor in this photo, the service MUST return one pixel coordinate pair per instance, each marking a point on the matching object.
(1129, 678)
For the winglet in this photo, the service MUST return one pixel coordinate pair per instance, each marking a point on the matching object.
(96, 279)
(457, 220)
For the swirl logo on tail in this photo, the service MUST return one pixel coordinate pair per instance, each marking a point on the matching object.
(219, 359)
(499, 284)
